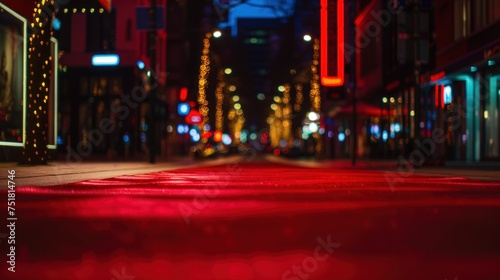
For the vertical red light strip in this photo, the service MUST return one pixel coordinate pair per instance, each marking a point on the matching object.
(436, 95)
(184, 93)
(327, 80)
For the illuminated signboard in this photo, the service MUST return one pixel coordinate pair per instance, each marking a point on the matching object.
(332, 43)
(447, 95)
(105, 60)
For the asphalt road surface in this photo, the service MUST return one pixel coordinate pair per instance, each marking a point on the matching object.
(255, 219)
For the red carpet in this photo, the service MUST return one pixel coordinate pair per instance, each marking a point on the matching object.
(258, 221)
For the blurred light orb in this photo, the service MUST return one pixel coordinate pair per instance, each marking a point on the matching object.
(217, 34)
(296, 143)
(182, 129)
(385, 135)
(228, 71)
(56, 24)
(341, 137)
(196, 137)
(193, 132)
(313, 116)
(306, 130)
(261, 96)
(307, 38)
(313, 127)
(283, 143)
(140, 64)
(226, 139)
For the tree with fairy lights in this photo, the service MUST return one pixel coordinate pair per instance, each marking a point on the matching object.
(39, 74)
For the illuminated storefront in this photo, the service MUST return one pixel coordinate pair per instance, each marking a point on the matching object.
(469, 100)
(14, 89)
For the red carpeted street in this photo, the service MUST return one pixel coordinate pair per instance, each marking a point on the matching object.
(257, 219)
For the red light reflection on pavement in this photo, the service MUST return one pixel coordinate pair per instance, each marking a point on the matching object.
(258, 221)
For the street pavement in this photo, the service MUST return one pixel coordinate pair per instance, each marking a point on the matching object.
(60, 172)
(251, 218)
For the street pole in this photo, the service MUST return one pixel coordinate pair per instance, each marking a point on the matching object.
(416, 97)
(153, 83)
(352, 83)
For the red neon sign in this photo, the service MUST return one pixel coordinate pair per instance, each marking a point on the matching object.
(332, 43)
(438, 76)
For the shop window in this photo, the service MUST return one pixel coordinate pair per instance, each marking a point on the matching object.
(490, 115)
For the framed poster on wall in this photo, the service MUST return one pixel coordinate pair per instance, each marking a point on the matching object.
(13, 55)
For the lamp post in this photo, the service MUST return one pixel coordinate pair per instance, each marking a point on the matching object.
(416, 59)
(152, 90)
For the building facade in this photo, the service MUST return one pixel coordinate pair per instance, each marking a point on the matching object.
(465, 83)
(93, 94)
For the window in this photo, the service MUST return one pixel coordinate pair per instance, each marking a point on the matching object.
(462, 18)
(474, 15)
(493, 9)
(480, 16)
(101, 32)
(485, 12)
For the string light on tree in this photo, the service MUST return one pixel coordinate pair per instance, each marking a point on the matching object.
(287, 114)
(314, 95)
(219, 101)
(315, 92)
(39, 73)
(203, 80)
(299, 98)
(236, 119)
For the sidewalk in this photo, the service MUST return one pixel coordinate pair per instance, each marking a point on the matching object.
(62, 172)
(479, 170)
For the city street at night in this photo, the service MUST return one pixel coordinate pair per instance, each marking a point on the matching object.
(249, 140)
(256, 217)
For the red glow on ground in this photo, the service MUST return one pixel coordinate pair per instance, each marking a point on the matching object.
(257, 220)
